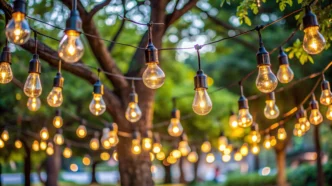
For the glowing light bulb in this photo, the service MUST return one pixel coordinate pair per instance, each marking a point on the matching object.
(244, 118)
(147, 143)
(266, 81)
(2, 144)
(222, 143)
(35, 146)
(156, 148)
(160, 156)
(273, 141)
(228, 149)
(81, 131)
(55, 98)
(33, 104)
(210, 158)
(18, 30)
(255, 149)
(297, 132)
(313, 41)
(133, 112)
(67, 152)
(71, 48)
(175, 128)
(44, 135)
(282, 134)
(329, 112)
(271, 110)
(97, 105)
(326, 95)
(105, 143)
(50, 149)
(115, 155)
(267, 142)
(105, 156)
(255, 136)
(5, 135)
(233, 120)
(153, 76)
(94, 144)
(6, 74)
(171, 160)
(86, 160)
(184, 148)
(285, 74)
(244, 150)
(202, 103)
(176, 153)
(58, 139)
(18, 144)
(57, 122)
(206, 147)
(152, 157)
(238, 156)
(316, 117)
(42, 145)
(135, 146)
(32, 86)
(226, 158)
(113, 138)
(192, 157)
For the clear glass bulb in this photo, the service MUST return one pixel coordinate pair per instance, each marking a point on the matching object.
(222, 143)
(18, 144)
(315, 117)
(113, 138)
(86, 160)
(266, 81)
(175, 128)
(6, 73)
(115, 155)
(105, 156)
(57, 122)
(18, 29)
(244, 150)
(33, 104)
(255, 136)
(273, 141)
(228, 149)
(58, 139)
(97, 106)
(67, 153)
(210, 158)
(81, 131)
(5, 135)
(153, 76)
(226, 158)
(255, 149)
(55, 98)
(135, 146)
(147, 144)
(271, 110)
(33, 87)
(160, 156)
(35, 146)
(44, 135)
(202, 103)
(176, 153)
(326, 97)
(42, 145)
(244, 118)
(192, 157)
(285, 74)
(297, 132)
(156, 148)
(233, 121)
(71, 48)
(2, 144)
(206, 147)
(329, 112)
(238, 156)
(105, 142)
(50, 149)
(282, 134)
(313, 41)
(152, 157)
(94, 144)
(171, 160)
(184, 148)
(133, 112)
(267, 142)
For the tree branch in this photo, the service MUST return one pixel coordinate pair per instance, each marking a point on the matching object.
(119, 31)
(96, 9)
(171, 18)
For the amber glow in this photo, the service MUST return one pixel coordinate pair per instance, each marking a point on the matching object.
(135, 146)
(192, 157)
(210, 158)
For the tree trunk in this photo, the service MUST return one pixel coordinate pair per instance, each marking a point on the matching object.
(168, 176)
(196, 165)
(256, 162)
(53, 164)
(281, 166)
(320, 174)
(93, 173)
(27, 163)
(182, 172)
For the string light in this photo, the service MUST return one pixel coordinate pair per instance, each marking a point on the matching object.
(160, 156)
(176, 153)
(285, 74)
(226, 158)
(6, 73)
(255, 148)
(184, 146)
(35, 146)
(33, 104)
(94, 142)
(271, 110)
(55, 98)
(135, 144)
(233, 120)
(171, 160)
(206, 146)
(67, 152)
(202, 103)
(301, 116)
(18, 30)
(326, 95)
(97, 106)
(105, 156)
(192, 157)
(329, 112)
(105, 139)
(2, 144)
(86, 160)
(133, 112)
(228, 149)
(175, 128)
(112, 135)
(147, 141)
(58, 137)
(267, 142)
(81, 131)
(244, 117)
(313, 41)
(238, 156)
(42, 145)
(316, 117)
(5, 135)
(44, 135)
(244, 149)
(282, 134)
(50, 149)
(18, 144)
(115, 155)
(57, 120)
(273, 141)
(156, 147)
(222, 142)
(210, 158)
(254, 135)
(152, 157)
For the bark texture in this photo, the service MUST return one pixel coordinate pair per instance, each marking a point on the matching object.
(53, 164)
(27, 163)
(281, 166)
(93, 173)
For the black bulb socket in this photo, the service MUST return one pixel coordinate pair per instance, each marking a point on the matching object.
(200, 80)
(270, 96)
(58, 80)
(20, 6)
(74, 22)
(133, 97)
(325, 85)
(135, 135)
(263, 57)
(243, 103)
(282, 57)
(111, 127)
(221, 134)
(34, 65)
(6, 56)
(254, 127)
(58, 112)
(98, 88)
(309, 19)
(151, 54)
(175, 113)
(301, 113)
(314, 104)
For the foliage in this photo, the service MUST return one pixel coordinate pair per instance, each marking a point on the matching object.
(250, 180)
(297, 51)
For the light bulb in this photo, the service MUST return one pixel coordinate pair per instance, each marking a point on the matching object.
(50, 149)
(81, 131)
(97, 105)
(329, 112)
(105, 156)
(222, 143)
(282, 134)
(176, 153)
(316, 117)
(297, 132)
(113, 138)
(94, 144)
(202, 103)
(35, 146)
(147, 144)
(67, 153)
(71, 48)
(210, 158)
(267, 142)
(271, 110)
(238, 156)
(152, 157)
(58, 139)
(326, 95)
(171, 160)
(86, 160)
(255, 149)
(313, 41)
(226, 158)
(266, 81)
(18, 30)
(5, 135)
(18, 144)
(2, 144)
(255, 136)
(184, 148)
(44, 135)
(160, 156)
(206, 147)
(233, 121)
(133, 112)
(156, 148)
(105, 143)
(228, 149)
(32, 86)
(33, 104)
(42, 145)
(244, 118)
(115, 155)
(273, 141)
(6, 74)
(55, 98)
(285, 74)
(244, 150)
(57, 122)
(135, 146)
(175, 128)
(192, 157)
(153, 76)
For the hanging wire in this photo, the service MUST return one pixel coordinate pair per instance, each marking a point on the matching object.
(197, 48)
(36, 43)
(133, 86)
(59, 67)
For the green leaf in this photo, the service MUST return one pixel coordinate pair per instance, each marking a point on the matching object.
(299, 1)
(311, 59)
(247, 20)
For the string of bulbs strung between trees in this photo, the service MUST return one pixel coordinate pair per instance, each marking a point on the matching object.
(71, 50)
